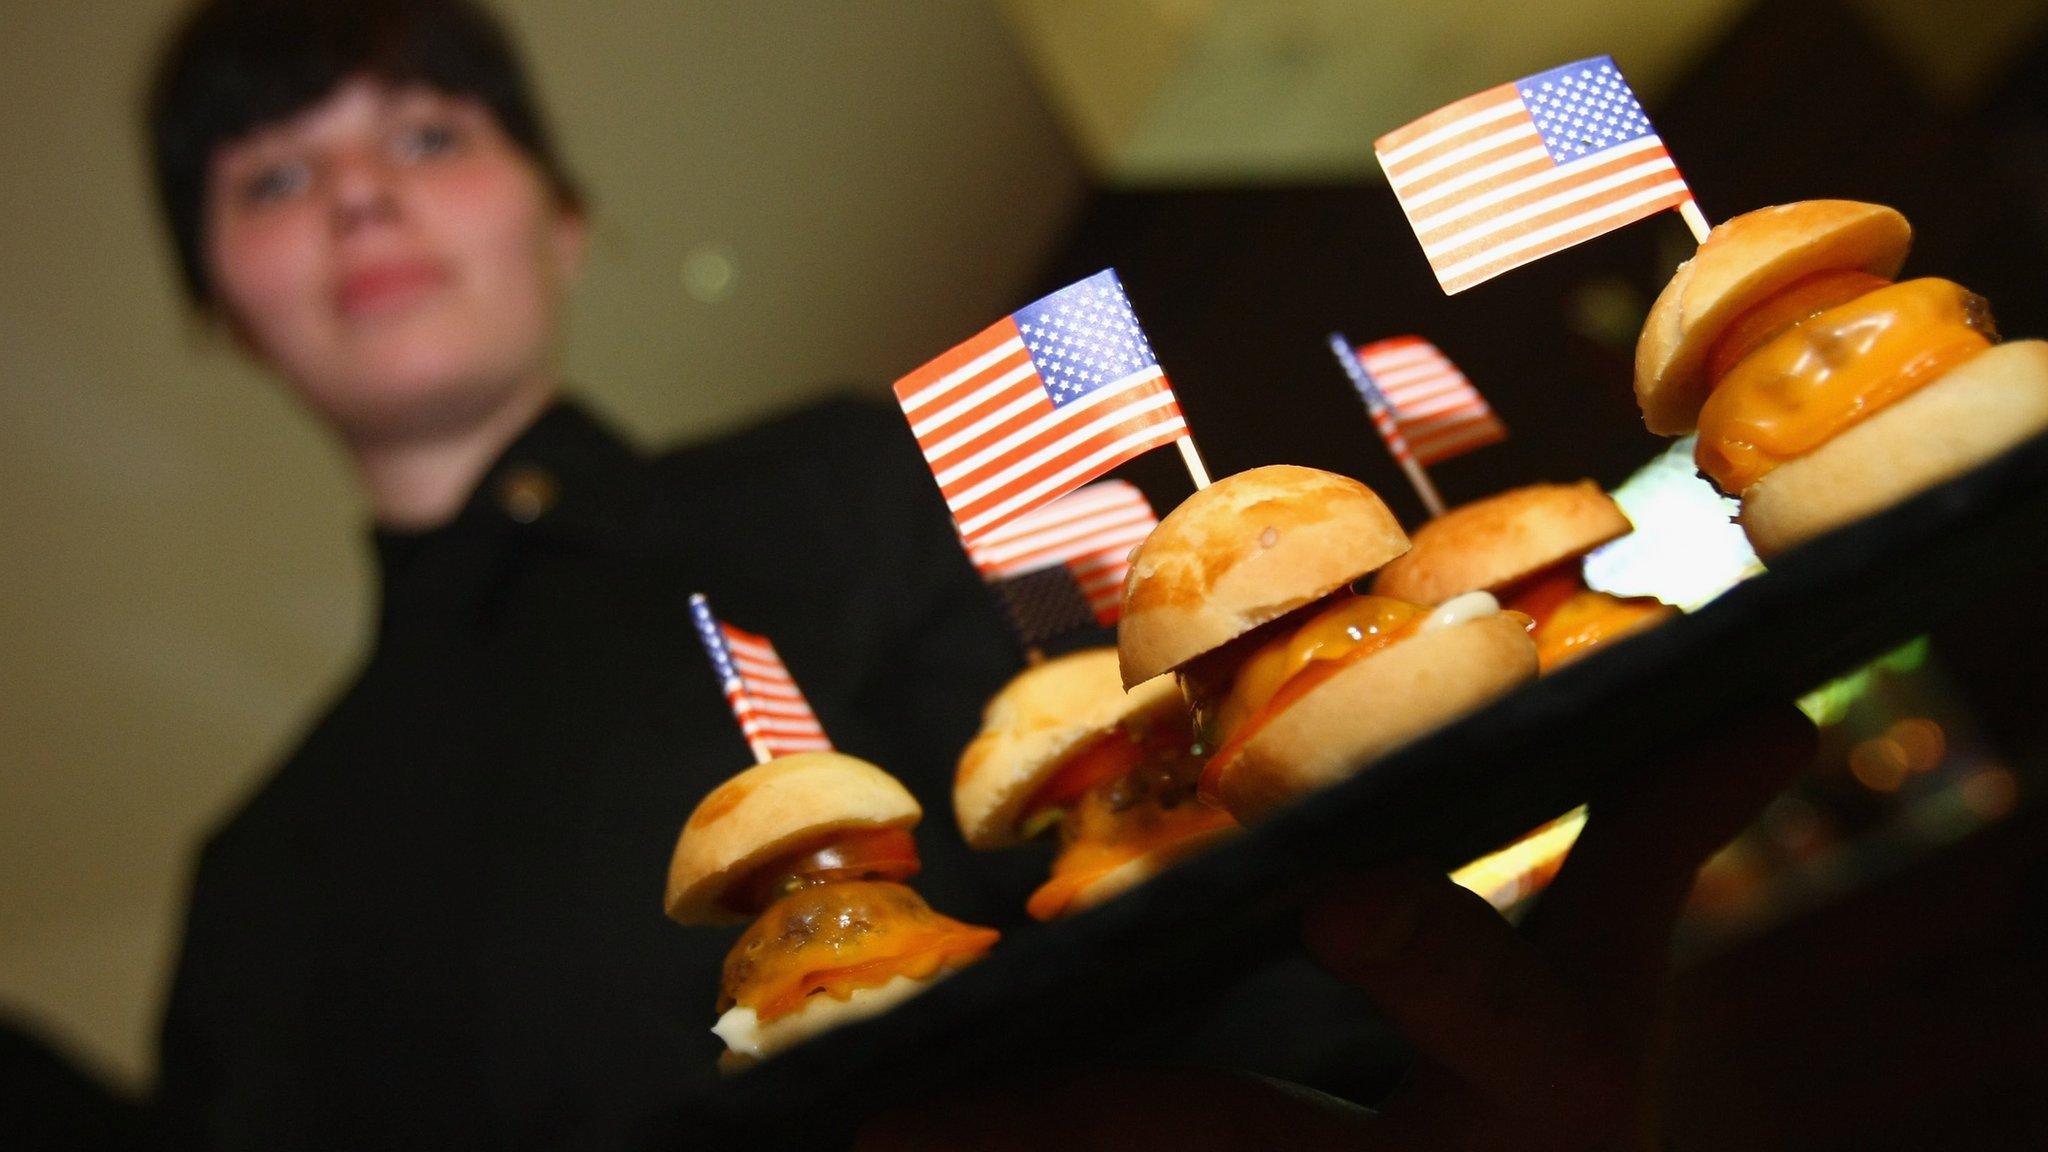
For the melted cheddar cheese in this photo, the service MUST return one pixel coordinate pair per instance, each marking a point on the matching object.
(1590, 619)
(1568, 619)
(1116, 824)
(1352, 626)
(1822, 374)
(1295, 660)
(831, 939)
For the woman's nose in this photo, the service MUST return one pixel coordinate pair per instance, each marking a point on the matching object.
(362, 188)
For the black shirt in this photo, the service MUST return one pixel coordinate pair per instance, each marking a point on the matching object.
(439, 923)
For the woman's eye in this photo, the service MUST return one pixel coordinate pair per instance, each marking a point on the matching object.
(427, 140)
(275, 182)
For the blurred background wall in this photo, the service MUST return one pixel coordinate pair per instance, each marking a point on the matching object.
(795, 197)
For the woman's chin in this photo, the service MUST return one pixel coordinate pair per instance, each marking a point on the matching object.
(404, 398)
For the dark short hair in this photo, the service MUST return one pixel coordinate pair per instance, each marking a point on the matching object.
(234, 66)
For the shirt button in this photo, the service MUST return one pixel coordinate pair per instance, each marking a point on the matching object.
(527, 491)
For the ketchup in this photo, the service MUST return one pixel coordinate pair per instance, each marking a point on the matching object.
(853, 854)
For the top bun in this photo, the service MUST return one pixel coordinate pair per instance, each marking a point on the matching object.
(1247, 549)
(1743, 261)
(1031, 727)
(1494, 542)
(768, 810)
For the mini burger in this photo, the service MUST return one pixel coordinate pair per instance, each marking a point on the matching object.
(1295, 680)
(813, 848)
(1525, 546)
(1063, 747)
(1822, 389)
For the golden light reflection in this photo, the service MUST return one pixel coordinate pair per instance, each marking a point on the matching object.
(1879, 764)
(1991, 793)
(1525, 867)
(1910, 746)
(1728, 882)
(1921, 740)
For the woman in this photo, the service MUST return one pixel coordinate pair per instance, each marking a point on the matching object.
(439, 921)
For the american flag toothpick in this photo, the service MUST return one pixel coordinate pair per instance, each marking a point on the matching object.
(1384, 422)
(1523, 170)
(772, 712)
(1439, 412)
(1040, 403)
(1091, 531)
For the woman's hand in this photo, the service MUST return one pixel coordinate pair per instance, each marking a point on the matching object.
(1552, 1036)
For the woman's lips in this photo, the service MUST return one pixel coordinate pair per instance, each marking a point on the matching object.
(380, 289)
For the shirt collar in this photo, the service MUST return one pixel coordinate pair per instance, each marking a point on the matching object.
(568, 480)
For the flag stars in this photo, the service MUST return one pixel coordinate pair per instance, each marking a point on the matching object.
(1085, 336)
(1583, 111)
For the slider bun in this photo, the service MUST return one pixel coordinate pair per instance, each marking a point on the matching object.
(1132, 873)
(1386, 700)
(1247, 549)
(1972, 413)
(1497, 541)
(1029, 729)
(1743, 261)
(771, 809)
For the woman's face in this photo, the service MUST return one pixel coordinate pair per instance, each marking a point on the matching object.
(394, 255)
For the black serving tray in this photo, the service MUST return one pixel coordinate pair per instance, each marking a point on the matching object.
(1098, 983)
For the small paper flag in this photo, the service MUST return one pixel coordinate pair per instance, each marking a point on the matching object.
(1038, 404)
(1092, 531)
(1438, 411)
(771, 710)
(1527, 169)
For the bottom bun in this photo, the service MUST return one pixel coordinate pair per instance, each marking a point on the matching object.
(1127, 876)
(1384, 701)
(1984, 406)
(748, 1041)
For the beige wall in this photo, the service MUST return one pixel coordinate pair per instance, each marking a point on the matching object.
(1222, 91)
(1231, 91)
(181, 578)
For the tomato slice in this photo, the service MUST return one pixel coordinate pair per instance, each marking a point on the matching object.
(858, 854)
(1108, 758)
(1540, 596)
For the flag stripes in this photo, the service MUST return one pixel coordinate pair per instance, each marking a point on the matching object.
(772, 712)
(1092, 531)
(1038, 404)
(1523, 170)
(1437, 410)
